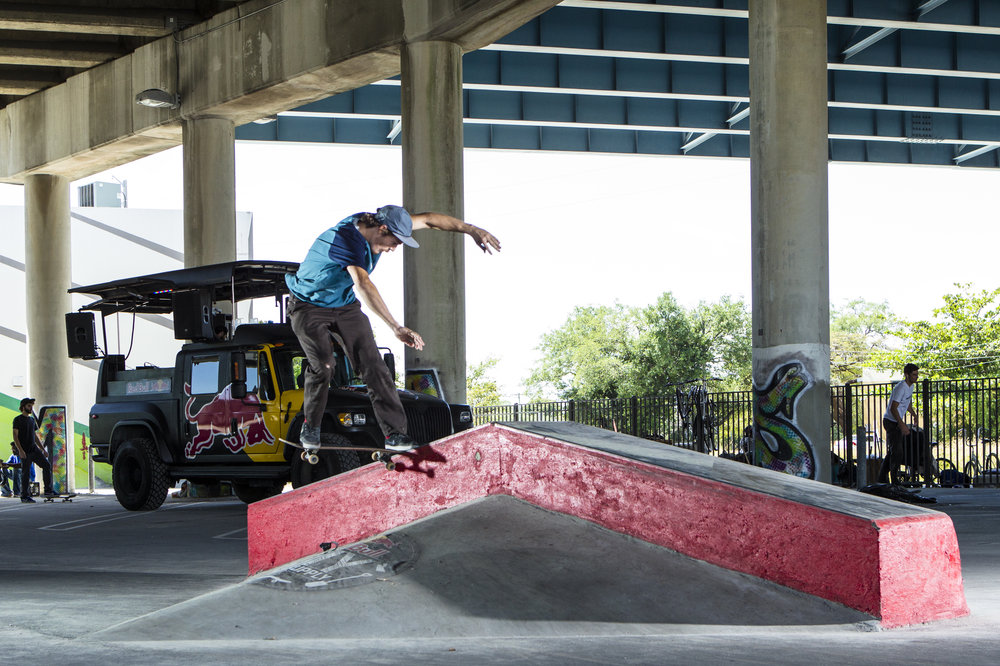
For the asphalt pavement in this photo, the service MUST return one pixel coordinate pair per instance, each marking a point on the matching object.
(496, 581)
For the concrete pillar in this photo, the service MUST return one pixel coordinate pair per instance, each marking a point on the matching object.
(434, 288)
(47, 276)
(790, 242)
(209, 191)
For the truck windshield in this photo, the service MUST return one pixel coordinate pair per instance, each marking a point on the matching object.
(290, 365)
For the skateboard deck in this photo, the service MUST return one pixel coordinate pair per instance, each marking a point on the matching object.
(381, 455)
(65, 498)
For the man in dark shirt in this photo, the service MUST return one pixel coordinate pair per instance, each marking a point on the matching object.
(30, 450)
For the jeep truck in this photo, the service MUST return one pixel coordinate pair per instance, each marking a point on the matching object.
(221, 412)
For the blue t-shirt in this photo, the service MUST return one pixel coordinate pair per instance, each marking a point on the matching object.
(322, 278)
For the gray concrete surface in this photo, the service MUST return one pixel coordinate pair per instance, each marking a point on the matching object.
(493, 582)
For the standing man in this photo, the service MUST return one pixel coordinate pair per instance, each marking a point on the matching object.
(30, 450)
(900, 402)
(324, 294)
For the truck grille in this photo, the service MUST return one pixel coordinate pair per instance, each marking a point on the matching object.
(428, 421)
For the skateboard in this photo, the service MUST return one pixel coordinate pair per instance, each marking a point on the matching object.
(381, 455)
(65, 498)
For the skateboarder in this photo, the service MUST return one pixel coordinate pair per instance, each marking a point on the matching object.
(324, 294)
(30, 451)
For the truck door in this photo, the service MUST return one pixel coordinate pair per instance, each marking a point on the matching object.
(259, 414)
(204, 406)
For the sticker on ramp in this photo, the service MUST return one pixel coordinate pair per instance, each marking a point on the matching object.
(347, 566)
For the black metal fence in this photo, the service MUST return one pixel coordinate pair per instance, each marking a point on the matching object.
(961, 420)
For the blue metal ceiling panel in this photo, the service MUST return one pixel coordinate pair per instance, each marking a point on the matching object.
(556, 70)
(564, 138)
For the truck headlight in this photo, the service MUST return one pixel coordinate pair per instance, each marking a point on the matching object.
(349, 419)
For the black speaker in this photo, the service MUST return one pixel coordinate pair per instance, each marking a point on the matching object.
(80, 335)
(192, 315)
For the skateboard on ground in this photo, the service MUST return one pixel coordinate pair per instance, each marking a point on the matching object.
(68, 497)
(381, 455)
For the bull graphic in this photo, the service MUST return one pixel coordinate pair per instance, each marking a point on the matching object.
(216, 417)
(781, 446)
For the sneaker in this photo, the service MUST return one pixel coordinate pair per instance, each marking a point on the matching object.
(397, 441)
(309, 437)
(27, 500)
(50, 493)
(6, 493)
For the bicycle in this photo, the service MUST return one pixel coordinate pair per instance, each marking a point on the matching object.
(702, 424)
(976, 473)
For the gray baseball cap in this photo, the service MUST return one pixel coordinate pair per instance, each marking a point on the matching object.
(399, 223)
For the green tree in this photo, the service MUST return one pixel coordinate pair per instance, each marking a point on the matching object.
(618, 352)
(860, 336)
(727, 326)
(672, 345)
(962, 341)
(585, 357)
(481, 388)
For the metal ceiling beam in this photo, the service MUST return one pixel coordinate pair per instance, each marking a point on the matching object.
(732, 120)
(882, 33)
(731, 60)
(975, 153)
(859, 21)
(641, 94)
(393, 117)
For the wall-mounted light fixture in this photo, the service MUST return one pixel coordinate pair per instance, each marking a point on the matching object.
(158, 99)
(266, 120)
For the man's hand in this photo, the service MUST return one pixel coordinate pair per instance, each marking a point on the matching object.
(409, 337)
(484, 239)
(905, 429)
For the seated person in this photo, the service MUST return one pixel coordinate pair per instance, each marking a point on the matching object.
(12, 473)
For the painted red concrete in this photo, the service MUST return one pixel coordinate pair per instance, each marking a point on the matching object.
(371, 500)
(900, 570)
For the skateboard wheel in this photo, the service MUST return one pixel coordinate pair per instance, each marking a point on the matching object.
(389, 465)
(312, 458)
(376, 456)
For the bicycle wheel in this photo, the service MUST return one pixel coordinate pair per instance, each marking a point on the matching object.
(971, 472)
(992, 462)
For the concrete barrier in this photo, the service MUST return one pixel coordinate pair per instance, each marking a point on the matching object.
(896, 562)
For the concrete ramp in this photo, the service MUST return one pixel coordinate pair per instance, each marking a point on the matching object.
(895, 562)
(493, 568)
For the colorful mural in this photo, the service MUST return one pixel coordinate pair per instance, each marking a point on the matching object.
(52, 429)
(424, 381)
(780, 444)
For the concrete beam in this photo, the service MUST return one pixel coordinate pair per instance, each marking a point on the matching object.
(72, 56)
(132, 23)
(252, 61)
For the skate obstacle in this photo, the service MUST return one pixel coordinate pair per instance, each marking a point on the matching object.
(897, 562)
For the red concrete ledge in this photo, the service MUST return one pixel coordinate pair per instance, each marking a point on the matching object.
(897, 562)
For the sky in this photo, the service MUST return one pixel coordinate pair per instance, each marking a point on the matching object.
(593, 229)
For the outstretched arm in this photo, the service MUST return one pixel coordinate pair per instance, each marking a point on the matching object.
(484, 239)
(369, 293)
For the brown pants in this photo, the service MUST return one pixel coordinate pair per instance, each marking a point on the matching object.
(312, 325)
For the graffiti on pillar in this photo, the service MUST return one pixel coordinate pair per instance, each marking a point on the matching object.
(780, 443)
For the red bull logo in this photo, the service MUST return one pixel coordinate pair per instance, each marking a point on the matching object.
(216, 417)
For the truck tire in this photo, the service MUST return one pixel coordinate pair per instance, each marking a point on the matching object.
(330, 463)
(139, 476)
(250, 494)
